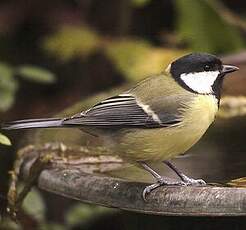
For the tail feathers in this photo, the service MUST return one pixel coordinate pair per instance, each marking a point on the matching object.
(33, 123)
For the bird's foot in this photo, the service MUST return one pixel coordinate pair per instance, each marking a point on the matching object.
(162, 181)
(192, 182)
(187, 180)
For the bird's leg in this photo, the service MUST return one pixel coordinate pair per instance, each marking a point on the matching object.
(160, 180)
(187, 180)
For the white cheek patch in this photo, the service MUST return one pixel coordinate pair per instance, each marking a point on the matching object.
(201, 82)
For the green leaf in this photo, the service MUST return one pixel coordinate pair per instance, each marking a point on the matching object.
(7, 223)
(205, 29)
(7, 77)
(36, 74)
(34, 204)
(8, 86)
(7, 98)
(71, 42)
(82, 213)
(4, 140)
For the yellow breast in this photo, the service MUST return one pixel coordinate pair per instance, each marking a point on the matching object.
(201, 113)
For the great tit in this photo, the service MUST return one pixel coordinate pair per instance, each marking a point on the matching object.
(159, 118)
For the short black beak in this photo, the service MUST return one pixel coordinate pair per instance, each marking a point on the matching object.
(228, 69)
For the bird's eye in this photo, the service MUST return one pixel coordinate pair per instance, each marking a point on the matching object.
(207, 67)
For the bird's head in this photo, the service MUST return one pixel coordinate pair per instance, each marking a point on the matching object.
(200, 72)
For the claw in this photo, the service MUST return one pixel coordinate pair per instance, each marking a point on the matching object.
(201, 182)
(192, 182)
(149, 188)
(186, 181)
(161, 182)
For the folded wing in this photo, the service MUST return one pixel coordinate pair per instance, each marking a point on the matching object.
(122, 110)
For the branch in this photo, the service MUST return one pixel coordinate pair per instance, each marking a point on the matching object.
(75, 179)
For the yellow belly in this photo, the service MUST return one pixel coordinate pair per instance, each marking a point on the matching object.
(165, 143)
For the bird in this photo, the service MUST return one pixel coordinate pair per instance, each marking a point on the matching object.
(158, 119)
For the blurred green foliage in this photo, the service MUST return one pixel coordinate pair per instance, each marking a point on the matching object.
(78, 214)
(199, 24)
(137, 59)
(134, 58)
(8, 86)
(7, 224)
(35, 74)
(33, 205)
(9, 81)
(4, 140)
(82, 213)
(71, 41)
(140, 3)
(205, 29)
